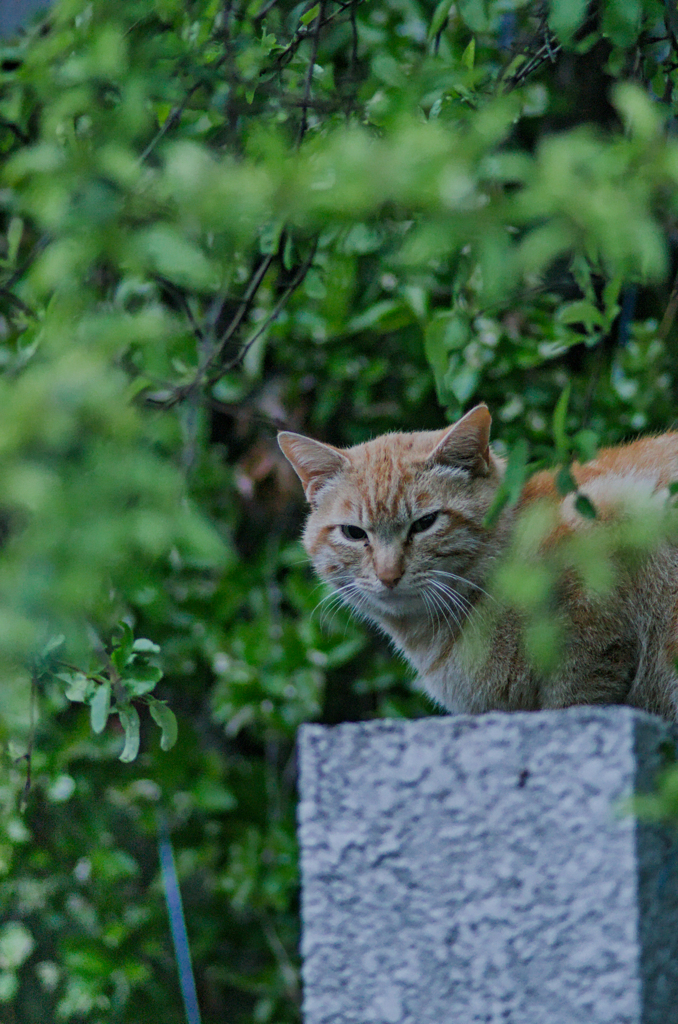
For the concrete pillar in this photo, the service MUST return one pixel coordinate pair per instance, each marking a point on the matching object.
(481, 869)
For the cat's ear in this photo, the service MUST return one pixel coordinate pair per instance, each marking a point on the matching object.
(314, 462)
(467, 443)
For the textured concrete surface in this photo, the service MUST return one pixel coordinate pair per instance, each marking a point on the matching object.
(466, 869)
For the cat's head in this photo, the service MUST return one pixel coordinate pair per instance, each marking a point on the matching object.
(396, 522)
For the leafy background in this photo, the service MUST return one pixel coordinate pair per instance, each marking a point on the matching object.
(224, 218)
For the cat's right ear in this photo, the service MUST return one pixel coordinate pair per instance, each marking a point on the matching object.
(314, 463)
(467, 443)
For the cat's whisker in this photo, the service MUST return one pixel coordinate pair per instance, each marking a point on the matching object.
(430, 609)
(349, 607)
(330, 612)
(459, 600)
(357, 606)
(443, 611)
(435, 614)
(466, 582)
(358, 611)
(333, 602)
(475, 612)
(445, 594)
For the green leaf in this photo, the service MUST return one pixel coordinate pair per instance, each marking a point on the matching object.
(440, 16)
(100, 706)
(9, 984)
(122, 647)
(511, 486)
(79, 686)
(565, 17)
(622, 20)
(585, 506)
(14, 235)
(16, 944)
(129, 718)
(140, 678)
(475, 14)
(175, 257)
(565, 482)
(310, 15)
(586, 444)
(166, 719)
(611, 299)
(214, 798)
(288, 252)
(468, 57)
(385, 315)
(446, 332)
(52, 645)
(559, 423)
(144, 646)
(580, 312)
(516, 469)
(462, 383)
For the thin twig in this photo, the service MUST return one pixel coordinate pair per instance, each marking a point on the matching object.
(296, 281)
(287, 968)
(303, 33)
(324, 106)
(41, 244)
(171, 120)
(16, 301)
(235, 410)
(547, 51)
(171, 398)
(669, 313)
(309, 73)
(28, 756)
(183, 299)
(354, 37)
(264, 10)
(243, 308)
(14, 128)
(114, 675)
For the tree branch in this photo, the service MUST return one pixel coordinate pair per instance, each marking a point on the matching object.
(309, 73)
(171, 120)
(282, 301)
(16, 301)
(669, 313)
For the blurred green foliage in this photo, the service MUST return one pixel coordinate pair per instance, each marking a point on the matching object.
(223, 218)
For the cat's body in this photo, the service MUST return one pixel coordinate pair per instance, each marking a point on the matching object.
(396, 528)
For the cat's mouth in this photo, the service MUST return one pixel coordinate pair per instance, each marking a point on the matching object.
(396, 601)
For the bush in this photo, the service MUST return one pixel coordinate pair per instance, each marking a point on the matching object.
(220, 219)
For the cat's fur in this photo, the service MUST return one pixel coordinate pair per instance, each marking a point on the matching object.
(423, 587)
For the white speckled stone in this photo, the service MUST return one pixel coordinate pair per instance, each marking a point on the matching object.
(480, 869)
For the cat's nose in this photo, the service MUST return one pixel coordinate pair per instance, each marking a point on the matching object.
(390, 578)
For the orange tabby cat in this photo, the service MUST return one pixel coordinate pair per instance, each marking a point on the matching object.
(396, 528)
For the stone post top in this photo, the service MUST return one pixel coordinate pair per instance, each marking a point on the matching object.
(483, 868)
(568, 718)
(590, 739)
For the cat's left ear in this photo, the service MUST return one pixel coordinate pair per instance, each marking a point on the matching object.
(314, 462)
(467, 443)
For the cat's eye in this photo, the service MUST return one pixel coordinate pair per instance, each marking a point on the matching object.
(419, 525)
(354, 533)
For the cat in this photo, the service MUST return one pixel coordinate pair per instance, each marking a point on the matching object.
(397, 529)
